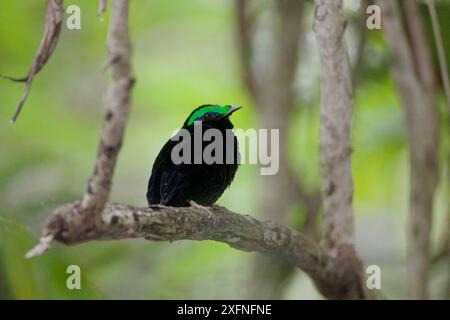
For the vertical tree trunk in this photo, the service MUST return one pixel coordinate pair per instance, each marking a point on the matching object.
(335, 125)
(335, 146)
(415, 88)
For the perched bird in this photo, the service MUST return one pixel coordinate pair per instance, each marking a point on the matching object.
(176, 184)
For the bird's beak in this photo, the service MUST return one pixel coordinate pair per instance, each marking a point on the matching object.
(232, 109)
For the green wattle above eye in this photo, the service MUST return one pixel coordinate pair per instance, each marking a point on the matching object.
(207, 109)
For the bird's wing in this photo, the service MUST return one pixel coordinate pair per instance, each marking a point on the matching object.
(153, 196)
(159, 166)
(173, 184)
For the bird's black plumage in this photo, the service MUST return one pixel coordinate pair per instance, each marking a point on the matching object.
(177, 184)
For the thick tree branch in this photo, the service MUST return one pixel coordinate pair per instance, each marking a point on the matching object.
(335, 278)
(335, 144)
(335, 117)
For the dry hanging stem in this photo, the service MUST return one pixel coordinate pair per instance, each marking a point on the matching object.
(53, 22)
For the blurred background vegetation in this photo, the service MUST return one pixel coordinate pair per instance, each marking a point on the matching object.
(185, 55)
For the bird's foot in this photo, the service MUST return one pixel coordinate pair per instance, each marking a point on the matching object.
(211, 216)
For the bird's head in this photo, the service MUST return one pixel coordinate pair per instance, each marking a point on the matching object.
(213, 115)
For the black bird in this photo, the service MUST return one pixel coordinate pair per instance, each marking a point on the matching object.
(176, 184)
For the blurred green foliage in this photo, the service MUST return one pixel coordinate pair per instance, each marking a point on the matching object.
(184, 55)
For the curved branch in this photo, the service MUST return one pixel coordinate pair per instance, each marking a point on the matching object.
(334, 277)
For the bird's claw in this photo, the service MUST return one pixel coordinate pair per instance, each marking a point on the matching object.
(211, 216)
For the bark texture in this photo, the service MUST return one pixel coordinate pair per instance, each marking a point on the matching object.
(335, 278)
(335, 124)
(335, 141)
(421, 120)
